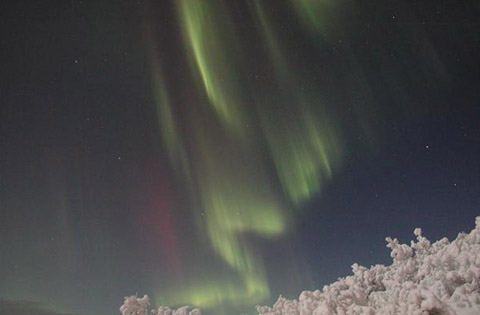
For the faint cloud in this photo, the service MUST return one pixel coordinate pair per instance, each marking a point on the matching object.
(23, 307)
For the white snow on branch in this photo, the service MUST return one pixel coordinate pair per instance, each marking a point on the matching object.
(442, 278)
(140, 306)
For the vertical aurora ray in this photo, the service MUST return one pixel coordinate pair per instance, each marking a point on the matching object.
(273, 46)
(304, 155)
(161, 217)
(171, 137)
(316, 15)
(307, 148)
(209, 35)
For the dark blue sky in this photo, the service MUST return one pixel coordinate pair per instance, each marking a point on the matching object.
(97, 203)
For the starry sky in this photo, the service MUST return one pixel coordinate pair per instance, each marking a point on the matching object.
(220, 153)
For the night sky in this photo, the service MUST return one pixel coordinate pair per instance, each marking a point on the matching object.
(220, 153)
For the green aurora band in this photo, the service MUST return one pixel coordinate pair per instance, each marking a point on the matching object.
(316, 15)
(235, 194)
(209, 37)
(306, 149)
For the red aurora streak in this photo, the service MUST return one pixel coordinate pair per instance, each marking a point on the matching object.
(161, 219)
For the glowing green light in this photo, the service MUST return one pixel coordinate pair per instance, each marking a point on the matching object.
(274, 48)
(315, 14)
(304, 146)
(208, 35)
(228, 180)
(166, 119)
(212, 293)
(305, 155)
(237, 199)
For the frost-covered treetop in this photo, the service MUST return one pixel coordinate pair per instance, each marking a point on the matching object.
(442, 278)
(140, 306)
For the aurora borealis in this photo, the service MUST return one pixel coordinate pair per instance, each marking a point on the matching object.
(220, 153)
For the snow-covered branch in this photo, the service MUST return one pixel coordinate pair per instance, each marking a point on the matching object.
(442, 278)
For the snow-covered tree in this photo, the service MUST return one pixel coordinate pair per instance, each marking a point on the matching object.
(140, 306)
(442, 278)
